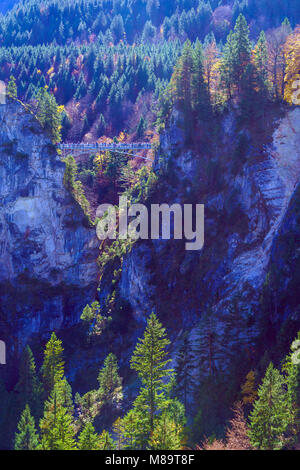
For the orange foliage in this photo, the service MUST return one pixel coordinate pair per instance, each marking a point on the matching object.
(236, 434)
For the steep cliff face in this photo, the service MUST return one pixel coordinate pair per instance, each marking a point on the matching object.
(247, 183)
(48, 253)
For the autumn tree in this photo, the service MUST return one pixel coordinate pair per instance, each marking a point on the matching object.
(276, 39)
(249, 392)
(211, 64)
(292, 72)
(237, 433)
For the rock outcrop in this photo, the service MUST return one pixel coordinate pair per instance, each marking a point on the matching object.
(48, 252)
(248, 188)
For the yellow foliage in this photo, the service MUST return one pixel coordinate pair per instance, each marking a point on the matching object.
(99, 161)
(249, 392)
(292, 76)
(121, 137)
(50, 71)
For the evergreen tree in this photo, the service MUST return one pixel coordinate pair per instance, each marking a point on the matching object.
(269, 418)
(11, 89)
(29, 387)
(131, 423)
(261, 60)
(199, 89)
(26, 438)
(166, 435)
(237, 57)
(184, 370)
(53, 365)
(149, 360)
(57, 425)
(70, 173)
(110, 383)
(49, 114)
(181, 81)
(106, 442)
(141, 128)
(118, 430)
(88, 439)
(291, 369)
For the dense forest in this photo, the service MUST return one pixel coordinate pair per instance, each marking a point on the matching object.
(117, 55)
(123, 69)
(156, 419)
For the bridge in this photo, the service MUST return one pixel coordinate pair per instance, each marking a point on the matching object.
(122, 148)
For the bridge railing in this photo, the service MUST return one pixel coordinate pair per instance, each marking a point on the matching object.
(96, 146)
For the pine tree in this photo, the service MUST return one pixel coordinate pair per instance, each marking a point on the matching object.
(184, 370)
(166, 435)
(53, 365)
(141, 128)
(29, 387)
(49, 113)
(149, 360)
(181, 80)
(88, 439)
(291, 369)
(57, 425)
(110, 383)
(199, 89)
(131, 423)
(11, 89)
(261, 59)
(70, 173)
(106, 442)
(26, 438)
(236, 58)
(269, 418)
(118, 429)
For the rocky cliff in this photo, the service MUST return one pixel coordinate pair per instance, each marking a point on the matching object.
(48, 253)
(240, 286)
(247, 180)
